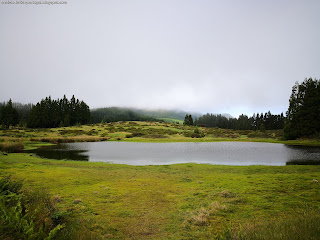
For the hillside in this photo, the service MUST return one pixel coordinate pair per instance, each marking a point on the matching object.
(113, 114)
(166, 114)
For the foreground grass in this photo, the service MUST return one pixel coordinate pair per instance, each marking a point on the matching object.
(183, 201)
(140, 132)
(25, 215)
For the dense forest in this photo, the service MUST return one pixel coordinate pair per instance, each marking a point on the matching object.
(8, 114)
(23, 111)
(266, 121)
(303, 115)
(61, 112)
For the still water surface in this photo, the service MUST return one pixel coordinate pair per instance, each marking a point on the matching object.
(221, 153)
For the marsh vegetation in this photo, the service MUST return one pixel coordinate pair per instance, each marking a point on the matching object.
(139, 132)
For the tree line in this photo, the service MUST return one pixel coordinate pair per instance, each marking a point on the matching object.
(47, 113)
(8, 114)
(263, 121)
(50, 113)
(302, 118)
(303, 115)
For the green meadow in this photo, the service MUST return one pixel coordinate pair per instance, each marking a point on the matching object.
(183, 201)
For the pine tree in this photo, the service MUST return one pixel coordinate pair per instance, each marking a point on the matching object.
(303, 115)
(188, 120)
(8, 115)
(53, 113)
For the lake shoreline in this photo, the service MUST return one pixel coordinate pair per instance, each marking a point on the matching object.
(142, 132)
(164, 153)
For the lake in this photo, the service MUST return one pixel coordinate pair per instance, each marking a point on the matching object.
(218, 153)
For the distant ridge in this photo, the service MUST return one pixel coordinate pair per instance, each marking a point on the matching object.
(112, 114)
(164, 113)
(115, 114)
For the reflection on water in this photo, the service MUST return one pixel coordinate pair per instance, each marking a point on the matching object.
(303, 155)
(222, 153)
(60, 152)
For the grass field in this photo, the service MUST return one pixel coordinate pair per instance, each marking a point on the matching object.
(182, 201)
(185, 201)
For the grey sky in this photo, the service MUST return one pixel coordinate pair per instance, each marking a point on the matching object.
(206, 56)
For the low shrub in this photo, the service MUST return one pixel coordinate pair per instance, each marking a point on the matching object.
(129, 136)
(155, 136)
(63, 140)
(46, 140)
(187, 133)
(258, 134)
(92, 132)
(104, 135)
(137, 134)
(73, 132)
(197, 133)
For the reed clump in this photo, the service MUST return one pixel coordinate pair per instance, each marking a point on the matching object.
(304, 225)
(11, 147)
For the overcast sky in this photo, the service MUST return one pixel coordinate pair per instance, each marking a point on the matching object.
(206, 56)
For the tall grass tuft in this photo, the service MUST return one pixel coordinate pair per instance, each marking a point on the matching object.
(203, 216)
(11, 147)
(302, 226)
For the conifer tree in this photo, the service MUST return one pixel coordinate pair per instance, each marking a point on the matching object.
(8, 115)
(303, 115)
(55, 113)
(188, 120)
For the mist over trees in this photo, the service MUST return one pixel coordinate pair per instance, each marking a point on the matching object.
(303, 115)
(50, 113)
(165, 114)
(114, 114)
(262, 121)
(24, 111)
